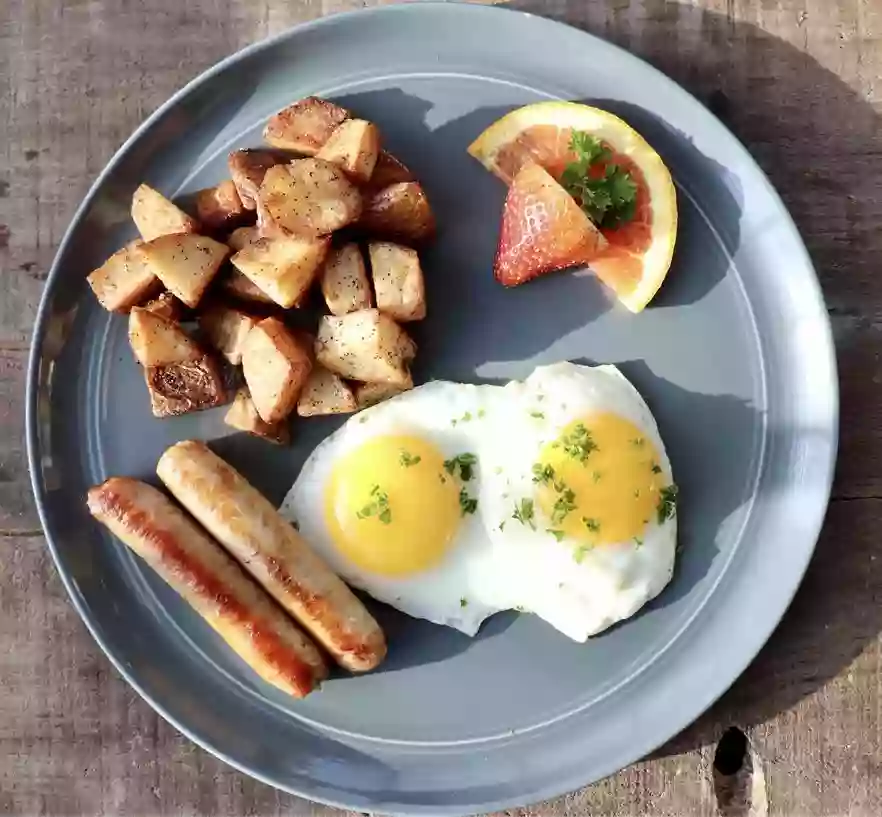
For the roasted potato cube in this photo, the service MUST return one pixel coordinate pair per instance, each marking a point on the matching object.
(400, 211)
(308, 197)
(243, 416)
(241, 287)
(388, 171)
(184, 387)
(398, 281)
(166, 306)
(154, 215)
(123, 280)
(220, 208)
(345, 284)
(304, 126)
(354, 146)
(365, 345)
(276, 364)
(242, 237)
(369, 394)
(156, 341)
(225, 329)
(248, 167)
(185, 263)
(284, 268)
(325, 393)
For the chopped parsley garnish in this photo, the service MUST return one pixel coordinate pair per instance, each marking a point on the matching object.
(523, 513)
(637, 494)
(557, 534)
(464, 462)
(579, 553)
(638, 442)
(466, 503)
(592, 524)
(656, 468)
(537, 415)
(667, 503)
(638, 541)
(407, 459)
(542, 473)
(502, 525)
(577, 443)
(596, 476)
(481, 413)
(565, 503)
(378, 506)
(604, 190)
(463, 602)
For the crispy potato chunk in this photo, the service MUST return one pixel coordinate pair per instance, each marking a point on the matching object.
(354, 146)
(124, 280)
(154, 215)
(304, 126)
(242, 237)
(225, 329)
(185, 263)
(388, 171)
(243, 416)
(166, 306)
(283, 268)
(398, 281)
(345, 285)
(325, 393)
(220, 208)
(156, 341)
(248, 167)
(365, 345)
(369, 394)
(308, 197)
(276, 364)
(184, 387)
(399, 212)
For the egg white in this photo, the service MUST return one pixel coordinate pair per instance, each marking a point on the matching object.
(469, 584)
(614, 579)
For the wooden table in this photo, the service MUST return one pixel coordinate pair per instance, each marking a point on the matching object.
(800, 81)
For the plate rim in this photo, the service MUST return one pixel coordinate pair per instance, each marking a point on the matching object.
(38, 338)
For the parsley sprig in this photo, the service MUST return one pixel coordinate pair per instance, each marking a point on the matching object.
(605, 191)
(378, 506)
(667, 503)
(464, 462)
(577, 444)
(523, 513)
(467, 504)
(407, 459)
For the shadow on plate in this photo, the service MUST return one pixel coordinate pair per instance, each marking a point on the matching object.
(808, 130)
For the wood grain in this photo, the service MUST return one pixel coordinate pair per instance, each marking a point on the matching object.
(799, 82)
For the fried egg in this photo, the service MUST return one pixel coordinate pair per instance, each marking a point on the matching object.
(452, 502)
(578, 494)
(390, 501)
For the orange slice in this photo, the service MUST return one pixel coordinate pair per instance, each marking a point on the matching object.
(639, 254)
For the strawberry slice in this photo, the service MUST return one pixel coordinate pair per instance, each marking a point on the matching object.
(543, 229)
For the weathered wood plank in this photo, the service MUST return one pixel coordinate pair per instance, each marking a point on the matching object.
(799, 82)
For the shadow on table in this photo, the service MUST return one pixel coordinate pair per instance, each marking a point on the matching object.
(805, 127)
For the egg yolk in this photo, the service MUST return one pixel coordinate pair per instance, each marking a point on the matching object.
(391, 506)
(599, 481)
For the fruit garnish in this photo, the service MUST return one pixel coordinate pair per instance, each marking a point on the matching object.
(640, 232)
(543, 229)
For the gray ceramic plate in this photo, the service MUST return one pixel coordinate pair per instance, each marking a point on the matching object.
(734, 358)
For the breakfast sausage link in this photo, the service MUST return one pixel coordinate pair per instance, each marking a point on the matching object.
(269, 548)
(210, 581)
